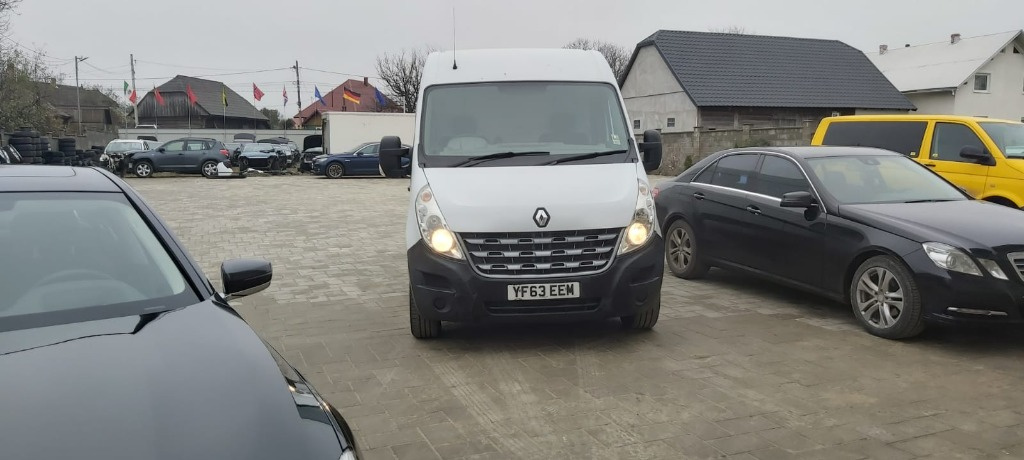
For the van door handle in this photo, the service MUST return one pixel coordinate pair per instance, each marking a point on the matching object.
(754, 210)
(930, 165)
(698, 195)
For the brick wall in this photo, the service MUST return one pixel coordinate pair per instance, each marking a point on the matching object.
(700, 143)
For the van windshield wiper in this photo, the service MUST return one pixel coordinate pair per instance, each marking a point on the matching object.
(585, 156)
(473, 161)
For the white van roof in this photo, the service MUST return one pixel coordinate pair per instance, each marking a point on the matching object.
(490, 65)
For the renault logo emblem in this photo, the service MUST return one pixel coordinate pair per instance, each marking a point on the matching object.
(541, 217)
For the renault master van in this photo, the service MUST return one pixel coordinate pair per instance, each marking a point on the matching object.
(529, 195)
(983, 156)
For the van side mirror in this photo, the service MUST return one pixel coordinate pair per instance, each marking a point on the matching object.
(971, 152)
(242, 277)
(797, 200)
(651, 148)
(390, 154)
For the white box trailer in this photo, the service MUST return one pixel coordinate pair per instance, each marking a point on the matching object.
(343, 131)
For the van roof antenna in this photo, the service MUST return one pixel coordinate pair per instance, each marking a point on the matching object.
(455, 63)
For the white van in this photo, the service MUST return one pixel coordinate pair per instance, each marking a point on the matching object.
(530, 199)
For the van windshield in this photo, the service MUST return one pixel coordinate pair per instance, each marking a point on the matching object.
(1009, 137)
(544, 120)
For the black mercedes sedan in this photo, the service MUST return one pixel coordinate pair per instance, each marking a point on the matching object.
(866, 226)
(114, 345)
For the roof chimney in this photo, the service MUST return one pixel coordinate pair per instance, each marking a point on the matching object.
(366, 81)
(882, 49)
(954, 39)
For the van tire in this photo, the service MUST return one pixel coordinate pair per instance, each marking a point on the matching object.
(421, 328)
(643, 321)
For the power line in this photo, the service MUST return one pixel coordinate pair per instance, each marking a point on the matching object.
(335, 73)
(104, 70)
(248, 72)
(189, 66)
(38, 52)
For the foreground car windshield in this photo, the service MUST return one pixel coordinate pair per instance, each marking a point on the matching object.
(71, 257)
(880, 179)
(1009, 137)
(561, 118)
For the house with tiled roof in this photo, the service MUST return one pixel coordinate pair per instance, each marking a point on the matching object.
(679, 80)
(208, 111)
(334, 101)
(973, 76)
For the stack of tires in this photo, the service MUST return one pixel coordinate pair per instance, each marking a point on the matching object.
(50, 156)
(66, 146)
(26, 141)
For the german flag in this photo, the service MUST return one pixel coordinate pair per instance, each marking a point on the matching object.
(350, 95)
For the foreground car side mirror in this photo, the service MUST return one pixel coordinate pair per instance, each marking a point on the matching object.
(971, 152)
(242, 277)
(798, 200)
(651, 148)
(390, 155)
(161, 150)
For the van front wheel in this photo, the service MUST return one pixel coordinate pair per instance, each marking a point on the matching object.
(421, 327)
(643, 321)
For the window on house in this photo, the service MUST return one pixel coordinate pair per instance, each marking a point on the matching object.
(636, 124)
(981, 82)
(671, 123)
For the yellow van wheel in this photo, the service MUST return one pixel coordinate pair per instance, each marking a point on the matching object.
(1003, 201)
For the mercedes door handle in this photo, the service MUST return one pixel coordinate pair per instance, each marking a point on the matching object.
(698, 195)
(754, 210)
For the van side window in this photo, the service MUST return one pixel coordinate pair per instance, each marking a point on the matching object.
(779, 176)
(950, 138)
(898, 136)
(736, 171)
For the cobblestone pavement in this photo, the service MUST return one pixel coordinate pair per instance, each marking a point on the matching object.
(736, 368)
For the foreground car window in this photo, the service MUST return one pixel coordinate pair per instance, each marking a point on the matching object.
(881, 179)
(69, 257)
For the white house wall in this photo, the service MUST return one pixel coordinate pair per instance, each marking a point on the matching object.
(1005, 98)
(937, 103)
(653, 95)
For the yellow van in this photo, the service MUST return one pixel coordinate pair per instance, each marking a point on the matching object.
(983, 156)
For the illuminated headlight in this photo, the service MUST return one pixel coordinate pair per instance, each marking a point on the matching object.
(641, 228)
(433, 229)
(952, 259)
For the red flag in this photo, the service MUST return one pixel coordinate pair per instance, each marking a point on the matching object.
(191, 96)
(133, 97)
(256, 93)
(157, 96)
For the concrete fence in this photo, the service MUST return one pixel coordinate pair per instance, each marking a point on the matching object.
(700, 143)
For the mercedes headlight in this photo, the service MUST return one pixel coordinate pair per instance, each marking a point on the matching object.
(433, 229)
(641, 228)
(950, 258)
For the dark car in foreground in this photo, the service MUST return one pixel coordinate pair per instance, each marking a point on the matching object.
(190, 155)
(364, 160)
(870, 227)
(114, 345)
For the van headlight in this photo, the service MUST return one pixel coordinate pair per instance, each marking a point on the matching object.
(641, 228)
(433, 229)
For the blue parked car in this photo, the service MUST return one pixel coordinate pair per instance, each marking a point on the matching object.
(361, 161)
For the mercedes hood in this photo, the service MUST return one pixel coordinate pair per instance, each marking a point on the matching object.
(507, 199)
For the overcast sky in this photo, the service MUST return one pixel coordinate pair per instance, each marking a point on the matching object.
(204, 37)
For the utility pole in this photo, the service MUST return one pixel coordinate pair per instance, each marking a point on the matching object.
(78, 96)
(298, 88)
(135, 109)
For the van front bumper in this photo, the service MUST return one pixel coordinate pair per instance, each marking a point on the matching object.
(450, 290)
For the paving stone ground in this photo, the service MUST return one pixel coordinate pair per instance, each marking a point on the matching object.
(736, 368)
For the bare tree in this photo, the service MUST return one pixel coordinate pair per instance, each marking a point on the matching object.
(740, 30)
(617, 56)
(401, 73)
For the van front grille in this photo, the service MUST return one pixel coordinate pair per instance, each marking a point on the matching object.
(541, 254)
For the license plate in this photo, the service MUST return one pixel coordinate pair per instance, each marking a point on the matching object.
(543, 291)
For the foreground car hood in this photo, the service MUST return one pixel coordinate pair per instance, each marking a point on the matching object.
(504, 199)
(968, 224)
(192, 383)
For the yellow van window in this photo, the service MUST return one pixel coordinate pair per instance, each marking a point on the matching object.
(950, 138)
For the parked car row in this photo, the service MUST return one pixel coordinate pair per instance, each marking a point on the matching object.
(363, 160)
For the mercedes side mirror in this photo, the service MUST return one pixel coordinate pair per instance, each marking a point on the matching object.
(391, 154)
(798, 200)
(651, 148)
(242, 277)
(161, 150)
(971, 152)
